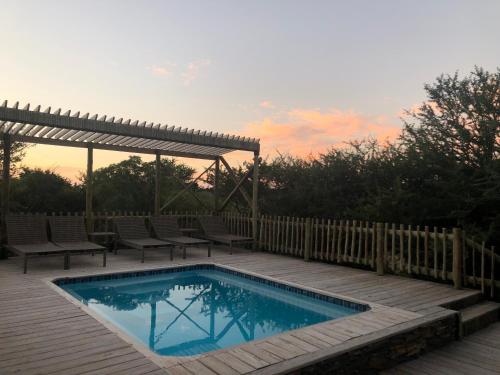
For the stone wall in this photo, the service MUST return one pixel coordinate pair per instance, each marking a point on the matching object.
(380, 351)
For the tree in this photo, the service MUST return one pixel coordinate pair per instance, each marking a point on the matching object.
(460, 120)
(454, 139)
(129, 186)
(444, 170)
(36, 190)
(17, 153)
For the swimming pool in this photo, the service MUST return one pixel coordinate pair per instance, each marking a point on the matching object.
(190, 310)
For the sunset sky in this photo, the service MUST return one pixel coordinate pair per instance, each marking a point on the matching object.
(300, 75)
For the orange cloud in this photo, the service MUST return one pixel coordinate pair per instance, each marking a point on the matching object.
(303, 131)
(299, 132)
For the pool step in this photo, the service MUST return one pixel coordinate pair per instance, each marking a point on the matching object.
(479, 316)
(467, 298)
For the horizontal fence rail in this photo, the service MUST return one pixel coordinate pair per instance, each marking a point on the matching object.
(439, 254)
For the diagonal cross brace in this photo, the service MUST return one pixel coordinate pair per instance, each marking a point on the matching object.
(192, 193)
(176, 196)
(238, 186)
(235, 179)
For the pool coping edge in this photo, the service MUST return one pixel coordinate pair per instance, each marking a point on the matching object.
(163, 361)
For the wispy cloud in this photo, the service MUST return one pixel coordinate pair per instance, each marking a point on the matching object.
(267, 104)
(164, 70)
(310, 131)
(193, 70)
(189, 74)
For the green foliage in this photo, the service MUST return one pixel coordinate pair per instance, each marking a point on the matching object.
(124, 186)
(454, 140)
(460, 121)
(17, 152)
(444, 170)
(36, 190)
(129, 186)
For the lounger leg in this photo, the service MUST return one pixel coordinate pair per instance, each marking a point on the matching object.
(172, 253)
(230, 247)
(104, 257)
(66, 262)
(184, 252)
(142, 259)
(25, 259)
(209, 250)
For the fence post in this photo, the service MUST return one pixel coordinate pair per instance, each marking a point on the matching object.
(307, 240)
(457, 258)
(380, 249)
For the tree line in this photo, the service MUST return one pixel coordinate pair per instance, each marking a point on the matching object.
(444, 170)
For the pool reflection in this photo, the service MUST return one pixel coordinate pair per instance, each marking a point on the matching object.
(197, 312)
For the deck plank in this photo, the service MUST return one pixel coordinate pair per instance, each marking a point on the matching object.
(218, 366)
(475, 354)
(43, 332)
(234, 362)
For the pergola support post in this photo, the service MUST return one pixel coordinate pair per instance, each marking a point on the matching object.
(157, 184)
(255, 206)
(7, 143)
(88, 191)
(216, 184)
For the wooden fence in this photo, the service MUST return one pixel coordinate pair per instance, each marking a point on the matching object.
(439, 254)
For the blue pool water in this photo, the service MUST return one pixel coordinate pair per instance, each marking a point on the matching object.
(190, 311)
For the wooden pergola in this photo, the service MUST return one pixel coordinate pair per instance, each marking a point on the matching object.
(60, 128)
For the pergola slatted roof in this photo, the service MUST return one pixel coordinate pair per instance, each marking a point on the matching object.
(94, 132)
(109, 133)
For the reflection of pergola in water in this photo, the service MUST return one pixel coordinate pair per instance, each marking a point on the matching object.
(110, 133)
(211, 340)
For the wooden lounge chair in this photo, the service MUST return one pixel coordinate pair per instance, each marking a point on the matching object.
(166, 228)
(27, 237)
(132, 232)
(215, 230)
(69, 232)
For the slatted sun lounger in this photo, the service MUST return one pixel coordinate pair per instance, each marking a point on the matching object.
(27, 237)
(215, 230)
(166, 228)
(69, 232)
(132, 232)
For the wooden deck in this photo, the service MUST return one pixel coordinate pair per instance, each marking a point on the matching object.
(42, 332)
(478, 354)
